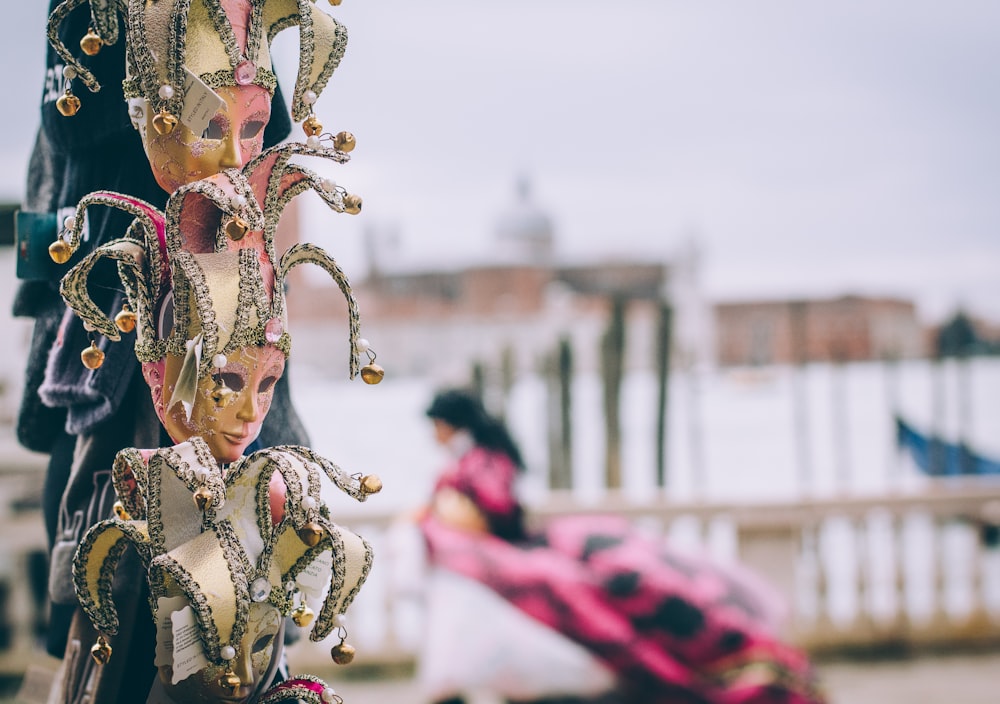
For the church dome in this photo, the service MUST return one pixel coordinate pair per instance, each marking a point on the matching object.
(525, 231)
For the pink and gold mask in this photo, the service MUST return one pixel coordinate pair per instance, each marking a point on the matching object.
(233, 137)
(230, 404)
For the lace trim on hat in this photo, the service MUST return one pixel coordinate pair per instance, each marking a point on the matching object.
(309, 253)
(100, 607)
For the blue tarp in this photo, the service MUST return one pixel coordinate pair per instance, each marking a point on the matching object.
(940, 458)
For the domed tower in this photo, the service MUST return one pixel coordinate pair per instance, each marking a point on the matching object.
(524, 234)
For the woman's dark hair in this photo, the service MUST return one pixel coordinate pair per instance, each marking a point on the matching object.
(463, 410)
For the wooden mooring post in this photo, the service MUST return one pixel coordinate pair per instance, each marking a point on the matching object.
(559, 384)
(612, 367)
(664, 336)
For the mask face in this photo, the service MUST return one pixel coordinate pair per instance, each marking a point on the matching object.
(253, 656)
(233, 137)
(228, 428)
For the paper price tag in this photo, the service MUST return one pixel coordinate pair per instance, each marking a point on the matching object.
(165, 607)
(316, 576)
(178, 640)
(200, 103)
(189, 655)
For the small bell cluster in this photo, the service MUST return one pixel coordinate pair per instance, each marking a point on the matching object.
(93, 356)
(310, 534)
(342, 142)
(68, 104)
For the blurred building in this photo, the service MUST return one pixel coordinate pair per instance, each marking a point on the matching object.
(845, 329)
(516, 303)
(514, 306)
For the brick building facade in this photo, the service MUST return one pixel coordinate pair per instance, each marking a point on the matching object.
(844, 329)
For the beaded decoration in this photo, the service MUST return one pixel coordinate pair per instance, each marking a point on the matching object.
(304, 689)
(222, 42)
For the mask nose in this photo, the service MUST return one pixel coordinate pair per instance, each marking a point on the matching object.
(249, 409)
(232, 155)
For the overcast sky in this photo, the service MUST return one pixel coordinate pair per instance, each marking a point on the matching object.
(809, 148)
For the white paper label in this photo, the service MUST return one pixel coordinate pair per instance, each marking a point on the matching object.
(314, 578)
(165, 606)
(200, 103)
(189, 655)
(178, 640)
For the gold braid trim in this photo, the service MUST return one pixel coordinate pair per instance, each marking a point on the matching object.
(73, 286)
(309, 253)
(95, 563)
(55, 20)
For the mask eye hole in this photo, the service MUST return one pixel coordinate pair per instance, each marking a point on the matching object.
(251, 129)
(262, 643)
(232, 380)
(215, 130)
(165, 322)
(267, 384)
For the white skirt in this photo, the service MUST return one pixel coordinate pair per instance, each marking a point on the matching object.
(476, 642)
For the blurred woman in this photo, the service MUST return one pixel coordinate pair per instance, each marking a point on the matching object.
(635, 621)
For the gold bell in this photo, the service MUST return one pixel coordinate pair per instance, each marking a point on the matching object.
(344, 142)
(335, 3)
(371, 484)
(59, 251)
(202, 498)
(222, 395)
(302, 615)
(120, 512)
(125, 320)
(311, 533)
(230, 681)
(101, 651)
(342, 653)
(164, 123)
(92, 357)
(352, 204)
(91, 43)
(68, 104)
(312, 126)
(372, 373)
(237, 228)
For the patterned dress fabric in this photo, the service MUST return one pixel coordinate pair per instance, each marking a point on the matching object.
(675, 628)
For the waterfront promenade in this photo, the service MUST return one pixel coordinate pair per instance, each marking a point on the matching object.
(970, 678)
(939, 679)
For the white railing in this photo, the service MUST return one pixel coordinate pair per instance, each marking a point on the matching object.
(901, 571)
(893, 571)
